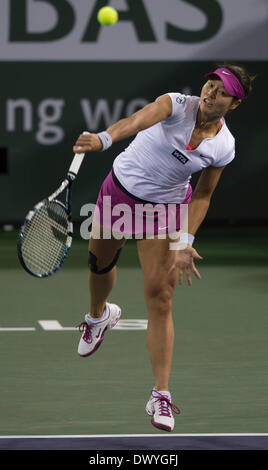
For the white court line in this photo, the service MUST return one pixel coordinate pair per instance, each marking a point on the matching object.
(132, 324)
(17, 329)
(79, 436)
(54, 325)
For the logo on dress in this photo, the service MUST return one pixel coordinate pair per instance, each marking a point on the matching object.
(182, 158)
(180, 99)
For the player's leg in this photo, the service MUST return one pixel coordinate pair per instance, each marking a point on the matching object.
(103, 255)
(156, 259)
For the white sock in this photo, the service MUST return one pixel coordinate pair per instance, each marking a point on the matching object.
(164, 392)
(95, 320)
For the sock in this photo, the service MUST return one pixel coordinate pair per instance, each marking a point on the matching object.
(105, 316)
(163, 392)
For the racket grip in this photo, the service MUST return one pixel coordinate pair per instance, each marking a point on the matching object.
(76, 163)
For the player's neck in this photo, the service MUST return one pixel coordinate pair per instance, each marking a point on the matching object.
(206, 123)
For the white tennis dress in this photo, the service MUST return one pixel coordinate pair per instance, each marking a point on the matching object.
(157, 166)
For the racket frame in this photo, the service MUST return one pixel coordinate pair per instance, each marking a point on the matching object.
(66, 184)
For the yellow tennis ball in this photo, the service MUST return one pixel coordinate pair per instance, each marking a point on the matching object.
(107, 16)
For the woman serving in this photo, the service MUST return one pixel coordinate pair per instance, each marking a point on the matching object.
(176, 136)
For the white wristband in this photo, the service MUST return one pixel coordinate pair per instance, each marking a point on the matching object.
(105, 139)
(186, 239)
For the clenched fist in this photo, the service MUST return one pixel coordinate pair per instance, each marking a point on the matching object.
(87, 142)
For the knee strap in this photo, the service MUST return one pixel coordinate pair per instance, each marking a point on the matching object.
(92, 263)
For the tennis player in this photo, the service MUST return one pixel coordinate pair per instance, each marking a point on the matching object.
(176, 136)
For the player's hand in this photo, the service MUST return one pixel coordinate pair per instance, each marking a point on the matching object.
(87, 142)
(184, 261)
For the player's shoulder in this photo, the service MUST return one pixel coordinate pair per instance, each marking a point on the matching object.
(182, 105)
(181, 99)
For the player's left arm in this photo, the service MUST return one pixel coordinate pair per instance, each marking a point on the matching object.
(201, 198)
(197, 211)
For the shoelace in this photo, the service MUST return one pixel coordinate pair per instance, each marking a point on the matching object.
(165, 404)
(84, 326)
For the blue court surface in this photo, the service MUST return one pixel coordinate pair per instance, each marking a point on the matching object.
(138, 442)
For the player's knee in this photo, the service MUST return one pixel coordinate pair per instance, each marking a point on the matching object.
(94, 264)
(160, 294)
(160, 285)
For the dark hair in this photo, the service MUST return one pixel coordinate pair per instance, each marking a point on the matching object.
(243, 76)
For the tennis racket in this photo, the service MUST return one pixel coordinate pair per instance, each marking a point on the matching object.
(46, 236)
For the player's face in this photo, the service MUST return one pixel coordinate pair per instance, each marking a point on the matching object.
(214, 99)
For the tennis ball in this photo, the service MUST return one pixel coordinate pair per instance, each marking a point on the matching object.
(107, 16)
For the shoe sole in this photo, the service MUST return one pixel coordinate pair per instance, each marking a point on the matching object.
(97, 345)
(161, 426)
(155, 424)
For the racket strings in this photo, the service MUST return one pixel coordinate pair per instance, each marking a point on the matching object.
(44, 238)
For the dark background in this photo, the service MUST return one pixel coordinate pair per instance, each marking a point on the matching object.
(31, 171)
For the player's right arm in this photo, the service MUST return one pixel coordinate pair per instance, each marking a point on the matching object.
(146, 117)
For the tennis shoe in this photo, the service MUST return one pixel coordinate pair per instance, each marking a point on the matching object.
(93, 332)
(160, 408)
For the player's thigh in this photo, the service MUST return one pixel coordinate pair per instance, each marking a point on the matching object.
(105, 247)
(156, 259)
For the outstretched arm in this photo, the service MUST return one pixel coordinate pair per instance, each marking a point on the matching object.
(142, 119)
(201, 198)
(197, 211)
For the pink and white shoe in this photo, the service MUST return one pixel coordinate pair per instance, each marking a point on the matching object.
(160, 408)
(93, 331)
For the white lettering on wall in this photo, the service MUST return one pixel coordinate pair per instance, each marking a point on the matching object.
(46, 119)
(25, 108)
(48, 132)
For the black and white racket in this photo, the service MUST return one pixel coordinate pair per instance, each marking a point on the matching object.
(46, 235)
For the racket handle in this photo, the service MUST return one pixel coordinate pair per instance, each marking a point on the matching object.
(76, 163)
